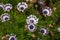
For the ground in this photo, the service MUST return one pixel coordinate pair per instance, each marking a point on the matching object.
(17, 23)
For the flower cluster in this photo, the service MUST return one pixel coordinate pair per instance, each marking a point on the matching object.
(6, 7)
(32, 20)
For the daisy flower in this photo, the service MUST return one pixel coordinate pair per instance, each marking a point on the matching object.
(5, 17)
(32, 19)
(43, 31)
(47, 11)
(8, 7)
(22, 6)
(31, 27)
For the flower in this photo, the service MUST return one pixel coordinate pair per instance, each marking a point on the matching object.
(2, 6)
(47, 11)
(12, 38)
(5, 17)
(8, 7)
(32, 19)
(31, 27)
(22, 6)
(43, 31)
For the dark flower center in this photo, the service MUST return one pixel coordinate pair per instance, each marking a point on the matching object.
(45, 12)
(31, 21)
(6, 18)
(31, 26)
(22, 8)
(12, 38)
(42, 31)
(8, 8)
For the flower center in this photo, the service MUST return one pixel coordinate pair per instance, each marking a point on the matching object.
(6, 18)
(42, 31)
(12, 38)
(32, 21)
(45, 12)
(22, 8)
(31, 26)
(8, 8)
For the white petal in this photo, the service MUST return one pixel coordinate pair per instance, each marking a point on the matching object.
(25, 4)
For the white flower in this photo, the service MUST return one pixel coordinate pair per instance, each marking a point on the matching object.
(5, 17)
(2, 6)
(7, 7)
(58, 29)
(12, 37)
(32, 19)
(22, 6)
(47, 11)
(44, 31)
(31, 27)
